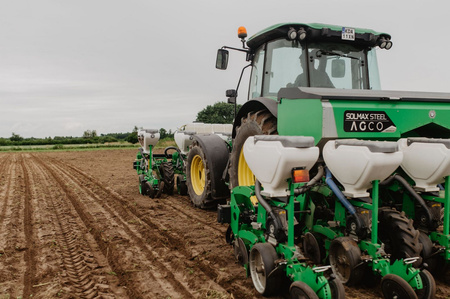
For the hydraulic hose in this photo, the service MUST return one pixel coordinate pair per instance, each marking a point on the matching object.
(339, 194)
(411, 191)
(267, 207)
(314, 180)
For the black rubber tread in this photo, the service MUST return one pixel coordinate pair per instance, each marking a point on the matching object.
(199, 200)
(398, 234)
(268, 256)
(337, 289)
(181, 186)
(168, 177)
(344, 250)
(429, 286)
(256, 123)
(393, 286)
(300, 290)
(427, 253)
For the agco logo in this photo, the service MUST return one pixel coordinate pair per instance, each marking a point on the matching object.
(367, 121)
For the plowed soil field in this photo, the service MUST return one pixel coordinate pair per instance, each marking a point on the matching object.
(73, 225)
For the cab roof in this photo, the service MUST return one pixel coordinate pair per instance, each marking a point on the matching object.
(316, 32)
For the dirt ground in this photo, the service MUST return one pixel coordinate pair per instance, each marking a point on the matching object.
(73, 225)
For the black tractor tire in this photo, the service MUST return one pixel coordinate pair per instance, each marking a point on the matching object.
(261, 263)
(168, 177)
(427, 253)
(198, 179)
(300, 290)
(256, 123)
(398, 234)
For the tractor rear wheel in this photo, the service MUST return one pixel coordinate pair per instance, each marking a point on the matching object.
(256, 123)
(345, 255)
(261, 263)
(393, 286)
(398, 235)
(168, 177)
(300, 290)
(198, 176)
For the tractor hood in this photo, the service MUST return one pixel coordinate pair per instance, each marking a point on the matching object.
(327, 113)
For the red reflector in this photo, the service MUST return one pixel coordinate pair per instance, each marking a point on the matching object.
(300, 175)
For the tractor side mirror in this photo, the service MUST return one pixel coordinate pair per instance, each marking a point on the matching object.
(337, 68)
(232, 95)
(222, 59)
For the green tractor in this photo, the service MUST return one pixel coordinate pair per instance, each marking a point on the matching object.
(322, 81)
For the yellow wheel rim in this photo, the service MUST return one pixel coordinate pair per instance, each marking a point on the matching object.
(198, 175)
(245, 175)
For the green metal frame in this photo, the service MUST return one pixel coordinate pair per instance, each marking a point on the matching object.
(379, 264)
(295, 269)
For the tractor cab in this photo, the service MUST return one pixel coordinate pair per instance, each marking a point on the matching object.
(311, 55)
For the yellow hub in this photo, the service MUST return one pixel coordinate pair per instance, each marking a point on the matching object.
(245, 174)
(198, 175)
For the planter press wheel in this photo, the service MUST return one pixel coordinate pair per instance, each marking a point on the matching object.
(142, 186)
(312, 249)
(240, 251)
(393, 286)
(337, 288)
(300, 290)
(429, 286)
(261, 264)
(345, 255)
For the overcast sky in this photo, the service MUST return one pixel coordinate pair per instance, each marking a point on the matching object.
(67, 66)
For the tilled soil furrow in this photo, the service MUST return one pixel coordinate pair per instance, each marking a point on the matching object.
(30, 252)
(7, 171)
(12, 238)
(64, 270)
(166, 230)
(84, 201)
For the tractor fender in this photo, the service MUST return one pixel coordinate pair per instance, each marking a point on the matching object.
(216, 155)
(256, 104)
